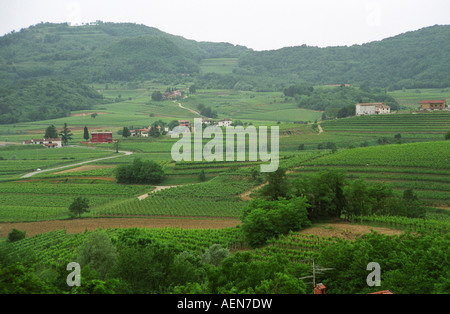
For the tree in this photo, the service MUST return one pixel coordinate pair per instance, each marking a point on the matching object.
(173, 124)
(17, 279)
(202, 176)
(215, 254)
(447, 135)
(98, 252)
(16, 235)
(66, 135)
(277, 185)
(264, 219)
(79, 206)
(51, 132)
(94, 115)
(325, 193)
(157, 96)
(86, 133)
(192, 89)
(126, 132)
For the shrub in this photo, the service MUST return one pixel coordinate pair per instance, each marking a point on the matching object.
(140, 172)
(16, 235)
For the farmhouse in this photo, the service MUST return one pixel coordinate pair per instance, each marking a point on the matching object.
(185, 123)
(141, 132)
(372, 108)
(101, 137)
(171, 95)
(432, 105)
(224, 122)
(46, 142)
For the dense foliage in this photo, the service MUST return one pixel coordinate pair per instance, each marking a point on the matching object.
(262, 220)
(408, 60)
(337, 102)
(40, 99)
(106, 52)
(409, 264)
(140, 172)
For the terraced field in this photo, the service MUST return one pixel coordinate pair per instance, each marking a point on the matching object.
(423, 167)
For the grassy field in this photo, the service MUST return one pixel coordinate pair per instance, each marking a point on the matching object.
(218, 65)
(409, 99)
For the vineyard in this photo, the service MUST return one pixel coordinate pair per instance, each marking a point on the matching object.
(45, 200)
(420, 123)
(218, 197)
(423, 167)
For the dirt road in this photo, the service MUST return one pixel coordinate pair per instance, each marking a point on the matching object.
(77, 164)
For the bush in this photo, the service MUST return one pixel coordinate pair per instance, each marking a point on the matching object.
(140, 172)
(16, 235)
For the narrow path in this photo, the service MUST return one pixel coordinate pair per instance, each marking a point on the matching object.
(320, 129)
(158, 188)
(77, 164)
(193, 111)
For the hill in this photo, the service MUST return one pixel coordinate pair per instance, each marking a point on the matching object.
(412, 60)
(40, 99)
(106, 52)
(102, 52)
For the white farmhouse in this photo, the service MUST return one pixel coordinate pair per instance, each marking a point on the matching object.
(372, 108)
(224, 122)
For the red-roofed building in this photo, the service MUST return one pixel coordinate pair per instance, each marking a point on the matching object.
(432, 104)
(382, 292)
(101, 137)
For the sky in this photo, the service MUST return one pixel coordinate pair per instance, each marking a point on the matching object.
(256, 24)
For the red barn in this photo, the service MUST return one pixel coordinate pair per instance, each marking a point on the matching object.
(101, 137)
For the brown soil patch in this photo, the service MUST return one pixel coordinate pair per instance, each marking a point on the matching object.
(86, 168)
(91, 224)
(346, 230)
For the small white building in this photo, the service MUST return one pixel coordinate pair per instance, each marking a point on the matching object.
(46, 142)
(372, 108)
(224, 122)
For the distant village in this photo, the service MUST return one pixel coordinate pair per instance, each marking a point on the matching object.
(361, 109)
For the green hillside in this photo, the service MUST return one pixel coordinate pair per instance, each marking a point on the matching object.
(106, 52)
(40, 99)
(423, 167)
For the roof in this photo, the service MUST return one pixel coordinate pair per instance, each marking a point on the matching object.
(320, 286)
(101, 132)
(373, 104)
(442, 101)
(47, 140)
(382, 292)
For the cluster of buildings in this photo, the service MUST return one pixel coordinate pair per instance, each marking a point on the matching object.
(47, 142)
(206, 121)
(381, 108)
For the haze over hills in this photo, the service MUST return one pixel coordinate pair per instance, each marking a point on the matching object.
(107, 52)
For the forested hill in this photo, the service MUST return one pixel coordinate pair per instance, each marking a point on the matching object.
(103, 52)
(106, 52)
(414, 59)
(40, 99)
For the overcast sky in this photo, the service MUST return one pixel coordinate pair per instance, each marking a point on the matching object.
(257, 24)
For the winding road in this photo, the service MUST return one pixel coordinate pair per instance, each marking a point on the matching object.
(77, 164)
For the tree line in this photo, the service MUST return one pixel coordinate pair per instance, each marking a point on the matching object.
(286, 205)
